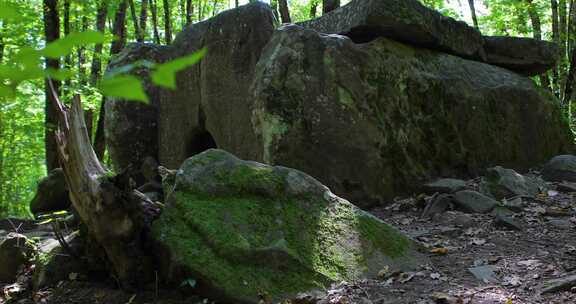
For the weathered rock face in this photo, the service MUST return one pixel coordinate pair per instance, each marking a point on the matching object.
(523, 55)
(131, 127)
(243, 228)
(55, 264)
(404, 20)
(411, 22)
(371, 120)
(51, 194)
(211, 106)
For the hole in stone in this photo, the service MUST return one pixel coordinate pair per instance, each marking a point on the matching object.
(201, 142)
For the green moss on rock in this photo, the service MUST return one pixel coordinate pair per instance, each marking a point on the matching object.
(243, 240)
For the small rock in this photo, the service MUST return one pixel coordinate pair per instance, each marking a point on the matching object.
(503, 183)
(437, 205)
(515, 204)
(445, 185)
(14, 252)
(484, 273)
(474, 202)
(564, 224)
(504, 217)
(560, 284)
(560, 168)
(566, 187)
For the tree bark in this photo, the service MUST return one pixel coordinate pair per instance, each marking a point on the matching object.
(473, 13)
(189, 12)
(330, 5)
(313, 9)
(154, 11)
(537, 32)
(119, 31)
(167, 24)
(115, 215)
(68, 58)
(96, 66)
(137, 32)
(284, 11)
(143, 18)
(51, 33)
(556, 38)
(183, 13)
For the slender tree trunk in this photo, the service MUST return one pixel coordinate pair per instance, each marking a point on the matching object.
(2, 45)
(562, 24)
(143, 18)
(119, 31)
(189, 12)
(330, 5)
(183, 13)
(51, 33)
(96, 67)
(537, 31)
(154, 11)
(214, 2)
(137, 32)
(68, 60)
(237, 3)
(200, 10)
(473, 13)
(556, 38)
(167, 24)
(81, 53)
(313, 9)
(284, 11)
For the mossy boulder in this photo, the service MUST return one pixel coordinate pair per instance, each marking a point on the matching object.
(503, 183)
(376, 120)
(243, 229)
(51, 194)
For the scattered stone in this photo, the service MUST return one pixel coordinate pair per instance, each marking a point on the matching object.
(55, 264)
(437, 205)
(566, 187)
(474, 202)
(504, 183)
(564, 224)
(445, 185)
(560, 284)
(526, 56)
(243, 227)
(484, 273)
(14, 253)
(515, 204)
(51, 194)
(504, 217)
(560, 168)
(407, 21)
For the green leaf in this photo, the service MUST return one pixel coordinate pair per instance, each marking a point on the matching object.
(165, 74)
(64, 46)
(60, 74)
(9, 11)
(123, 86)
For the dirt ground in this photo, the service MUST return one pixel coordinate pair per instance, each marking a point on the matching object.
(518, 265)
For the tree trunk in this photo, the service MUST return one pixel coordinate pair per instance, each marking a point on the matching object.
(330, 5)
(189, 12)
(96, 67)
(137, 32)
(143, 18)
(154, 11)
(119, 31)
(52, 33)
(556, 38)
(115, 215)
(2, 45)
(68, 59)
(473, 13)
(537, 31)
(237, 3)
(167, 26)
(284, 11)
(183, 13)
(313, 9)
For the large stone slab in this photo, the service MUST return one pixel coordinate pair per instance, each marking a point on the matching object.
(404, 20)
(211, 105)
(243, 230)
(372, 120)
(523, 55)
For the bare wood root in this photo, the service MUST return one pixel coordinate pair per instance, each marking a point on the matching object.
(113, 213)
